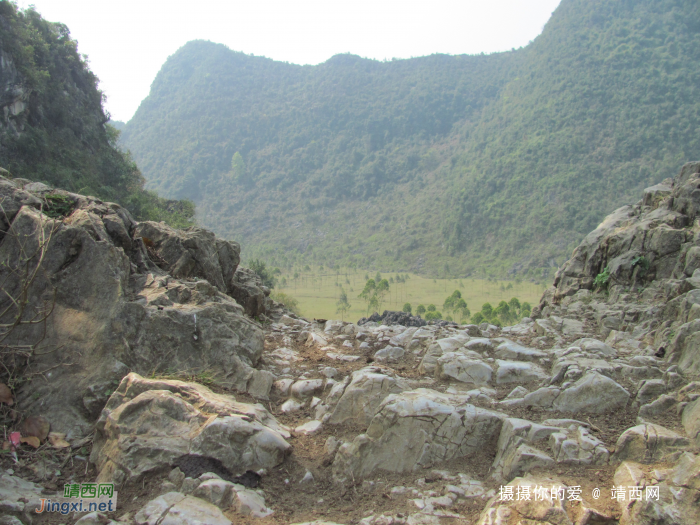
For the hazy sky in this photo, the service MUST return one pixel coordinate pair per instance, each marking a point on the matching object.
(127, 41)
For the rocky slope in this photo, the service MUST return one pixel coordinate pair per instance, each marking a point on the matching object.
(588, 413)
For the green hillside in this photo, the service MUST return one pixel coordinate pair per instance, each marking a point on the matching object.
(53, 128)
(446, 165)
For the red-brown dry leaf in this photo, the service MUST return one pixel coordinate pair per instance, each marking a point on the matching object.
(6, 395)
(58, 440)
(32, 441)
(35, 426)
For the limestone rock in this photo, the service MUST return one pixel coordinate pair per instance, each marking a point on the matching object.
(670, 501)
(18, 496)
(691, 421)
(575, 444)
(650, 389)
(174, 508)
(516, 352)
(480, 344)
(250, 503)
(148, 424)
(246, 288)
(654, 232)
(661, 405)
(573, 364)
(308, 428)
(517, 393)
(685, 347)
(404, 338)
(516, 454)
(193, 252)
(389, 354)
(647, 443)
(91, 518)
(593, 394)
(590, 345)
(426, 426)
(361, 398)
(114, 309)
(542, 397)
(306, 388)
(544, 510)
(518, 372)
(463, 368)
(439, 347)
(217, 492)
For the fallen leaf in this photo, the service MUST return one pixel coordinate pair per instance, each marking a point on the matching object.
(6, 445)
(35, 426)
(6, 395)
(32, 441)
(58, 440)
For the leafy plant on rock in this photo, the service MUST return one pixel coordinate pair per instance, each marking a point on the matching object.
(602, 279)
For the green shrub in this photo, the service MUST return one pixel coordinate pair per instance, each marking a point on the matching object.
(260, 268)
(643, 264)
(287, 300)
(433, 315)
(58, 206)
(602, 279)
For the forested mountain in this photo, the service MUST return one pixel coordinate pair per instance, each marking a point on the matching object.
(441, 164)
(53, 128)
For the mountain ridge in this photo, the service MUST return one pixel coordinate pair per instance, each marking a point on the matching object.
(437, 162)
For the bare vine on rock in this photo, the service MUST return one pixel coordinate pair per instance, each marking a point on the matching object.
(20, 312)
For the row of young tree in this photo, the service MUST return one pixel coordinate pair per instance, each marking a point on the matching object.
(505, 313)
(455, 307)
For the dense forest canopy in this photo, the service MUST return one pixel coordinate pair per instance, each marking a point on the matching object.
(442, 164)
(53, 127)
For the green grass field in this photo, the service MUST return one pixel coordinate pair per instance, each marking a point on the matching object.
(317, 292)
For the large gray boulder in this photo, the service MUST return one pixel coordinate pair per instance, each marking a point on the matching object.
(684, 348)
(189, 253)
(148, 424)
(673, 500)
(516, 454)
(180, 509)
(247, 289)
(109, 309)
(691, 421)
(540, 508)
(427, 427)
(465, 367)
(648, 443)
(655, 229)
(362, 397)
(593, 394)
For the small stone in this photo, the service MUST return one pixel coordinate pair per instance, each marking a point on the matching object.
(308, 478)
(329, 372)
(332, 444)
(291, 405)
(250, 503)
(189, 485)
(309, 428)
(176, 476)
